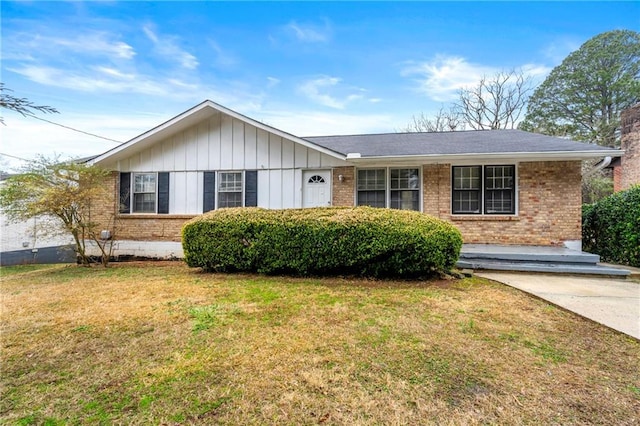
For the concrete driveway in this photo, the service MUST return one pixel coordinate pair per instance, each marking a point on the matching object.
(612, 302)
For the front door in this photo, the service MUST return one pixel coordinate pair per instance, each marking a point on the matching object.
(316, 188)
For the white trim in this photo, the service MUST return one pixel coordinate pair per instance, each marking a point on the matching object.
(132, 186)
(513, 157)
(187, 119)
(219, 181)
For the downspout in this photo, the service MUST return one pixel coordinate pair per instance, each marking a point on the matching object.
(599, 166)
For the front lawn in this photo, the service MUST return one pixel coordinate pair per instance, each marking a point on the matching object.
(158, 343)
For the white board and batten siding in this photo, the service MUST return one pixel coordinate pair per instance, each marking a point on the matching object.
(224, 143)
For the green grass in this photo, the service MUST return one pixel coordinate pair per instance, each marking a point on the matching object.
(159, 343)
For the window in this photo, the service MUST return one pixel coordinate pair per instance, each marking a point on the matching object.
(372, 187)
(401, 192)
(405, 189)
(466, 189)
(316, 179)
(229, 189)
(478, 190)
(144, 192)
(499, 190)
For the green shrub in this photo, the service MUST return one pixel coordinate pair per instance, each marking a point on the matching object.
(611, 227)
(321, 241)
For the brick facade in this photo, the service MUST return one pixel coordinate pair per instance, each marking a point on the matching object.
(342, 193)
(549, 207)
(139, 227)
(630, 143)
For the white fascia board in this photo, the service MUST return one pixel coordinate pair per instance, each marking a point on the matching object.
(189, 118)
(267, 128)
(501, 156)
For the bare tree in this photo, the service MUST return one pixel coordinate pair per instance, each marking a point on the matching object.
(495, 103)
(443, 121)
(21, 105)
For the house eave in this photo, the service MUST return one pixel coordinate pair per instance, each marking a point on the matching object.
(187, 119)
(483, 157)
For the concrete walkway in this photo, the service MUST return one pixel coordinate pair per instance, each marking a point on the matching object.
(614, 303)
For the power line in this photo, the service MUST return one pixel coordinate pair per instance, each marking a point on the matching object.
(75, 130)
(17, 158)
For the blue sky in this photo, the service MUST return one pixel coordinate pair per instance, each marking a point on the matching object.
(117, 69)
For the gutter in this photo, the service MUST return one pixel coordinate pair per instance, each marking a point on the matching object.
(521, 156)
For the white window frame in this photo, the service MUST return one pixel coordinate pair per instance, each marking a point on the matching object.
(132, 199)
(483, 190)
(219, 185)
(387, 184)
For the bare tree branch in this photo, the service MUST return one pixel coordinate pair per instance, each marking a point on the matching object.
(21, 105)
(443, 121)
(495, 103)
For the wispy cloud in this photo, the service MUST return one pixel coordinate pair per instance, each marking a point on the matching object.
(168, 47)
(318, 90)
(559, 49)
(443, 77)
(29, 46)
(222, 57)
(272, 82)
(310, 33)
(317, 123)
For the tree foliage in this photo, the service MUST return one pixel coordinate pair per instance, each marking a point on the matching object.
(21, 105)
(584, 95)
(611, 227)
(67, 191)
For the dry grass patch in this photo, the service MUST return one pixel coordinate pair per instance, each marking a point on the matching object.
(159, 343)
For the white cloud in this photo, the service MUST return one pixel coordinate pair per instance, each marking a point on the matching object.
(443, 77)
(314, 123)
(29, 46)
(104, 80)
(272, 82)
(317, 90)
(559, 49)
(168, 47)
(310, 33)
(222, 57)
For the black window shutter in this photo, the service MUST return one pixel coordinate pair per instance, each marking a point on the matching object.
(125, 193)
(209, 201)
(251, 188)
(163, 193)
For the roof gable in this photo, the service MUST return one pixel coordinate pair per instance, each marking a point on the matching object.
(190, 118)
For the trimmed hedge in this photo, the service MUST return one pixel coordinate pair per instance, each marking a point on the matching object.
(321, 241)
(611, 227)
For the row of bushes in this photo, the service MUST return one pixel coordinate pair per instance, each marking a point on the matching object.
(321, 241)
(611, 227)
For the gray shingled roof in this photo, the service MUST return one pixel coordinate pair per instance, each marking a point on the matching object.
(452, 143)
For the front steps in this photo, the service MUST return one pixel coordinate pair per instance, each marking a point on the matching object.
(557, 260)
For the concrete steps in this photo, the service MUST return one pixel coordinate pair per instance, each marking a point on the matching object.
(556, 260)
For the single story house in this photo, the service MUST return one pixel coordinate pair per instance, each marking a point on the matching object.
(496, 186)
